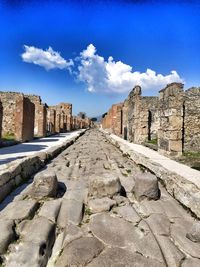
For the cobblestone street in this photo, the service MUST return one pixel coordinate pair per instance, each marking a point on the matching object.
(93, 206)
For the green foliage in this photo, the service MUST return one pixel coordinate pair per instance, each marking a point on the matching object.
(153, 141)
(8, 137)
(191, 154)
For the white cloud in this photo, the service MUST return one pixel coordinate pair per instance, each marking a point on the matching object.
(117, 77)
(49, 59)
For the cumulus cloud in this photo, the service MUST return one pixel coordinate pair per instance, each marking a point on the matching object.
(109, 76)
(49, 59)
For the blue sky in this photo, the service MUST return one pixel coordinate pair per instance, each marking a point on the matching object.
(138, 35)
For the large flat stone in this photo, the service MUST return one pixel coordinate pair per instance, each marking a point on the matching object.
(71, 211)
(19, 210)
(128, 213)
(120, 257)
(117, 232)
(80, 252)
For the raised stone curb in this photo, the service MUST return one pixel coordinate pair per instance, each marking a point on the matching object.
(15, 173)
(181, 181)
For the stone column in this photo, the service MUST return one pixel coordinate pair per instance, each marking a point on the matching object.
(51, 120)
(170, 133)
(57, 126)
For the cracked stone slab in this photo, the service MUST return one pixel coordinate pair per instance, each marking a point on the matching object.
(117, 232)
(120, 257)
(128, 213)
(80, 252)
(159, 224)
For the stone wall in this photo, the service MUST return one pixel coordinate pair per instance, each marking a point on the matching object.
(40, 116)
(51, 121)
(113, 119)
(192, 120)
(171, 120)
(170, 134)
(18, 117)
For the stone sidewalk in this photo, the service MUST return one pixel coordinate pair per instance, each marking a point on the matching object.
(181, 181)
(9, 154)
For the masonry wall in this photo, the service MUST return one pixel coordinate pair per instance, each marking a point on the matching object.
(51, 121)
(40, 115)
(192, 119)
(170, 134)
(18, 116)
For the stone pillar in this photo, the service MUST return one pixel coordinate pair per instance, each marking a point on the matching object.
(170, 133)
(51, 120)
(57, 125)
(40, 115)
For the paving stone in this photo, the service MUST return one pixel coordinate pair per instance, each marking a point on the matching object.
(19, 210)
(191, 262)
(128, 213)
(50, 209)
(173, 256)
(159, 224)
(101, 204)
(7, 234)
(194, 232)
(71, 233)
(179, 229)
(107, 185)
(117, 232)
(71, 211)
(146, 186)
(117, 257)
(44, 185)
(80, 252)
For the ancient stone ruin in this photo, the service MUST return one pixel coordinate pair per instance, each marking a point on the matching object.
(172, 120)
(23, 117)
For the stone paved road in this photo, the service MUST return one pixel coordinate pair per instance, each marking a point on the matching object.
(105, 212)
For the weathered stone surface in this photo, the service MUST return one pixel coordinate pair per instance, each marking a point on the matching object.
(191, 262)
(19, 210)
(71, 211)
(128, 213)
(104, 186)
(116, 232)
(179, 229)
(45, 185)
(159, 224)
(7, 234)
(120, 257)
(100, 204)
(194, 232)
(80, 252)
(71, 233)
(146, 186)
(50, 210)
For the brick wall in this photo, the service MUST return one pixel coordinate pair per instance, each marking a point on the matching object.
(51, 121)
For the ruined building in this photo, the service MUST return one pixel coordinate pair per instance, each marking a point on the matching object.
(40, 115)
(172, 119)
(18, 114)
(24, 116)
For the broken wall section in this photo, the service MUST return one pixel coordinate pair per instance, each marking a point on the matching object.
(170, 134)
(18, 116)
(40, 116)
(191, 132)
